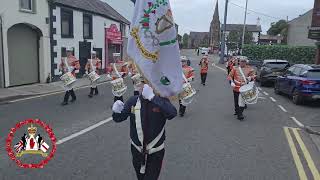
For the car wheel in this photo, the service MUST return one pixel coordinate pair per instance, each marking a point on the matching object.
(296, 98)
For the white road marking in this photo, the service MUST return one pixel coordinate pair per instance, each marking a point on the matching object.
(282, 108)
(260, 97)
(265, 93)
(259, 88)
(72, 136)
(273, 100)
(297, 122)
(219, 67)
(54, 93)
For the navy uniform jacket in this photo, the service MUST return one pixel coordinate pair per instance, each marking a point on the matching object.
(153, 117)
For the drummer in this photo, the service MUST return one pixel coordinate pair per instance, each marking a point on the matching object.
(132, 71)
(93, 64)
(188, 73)
(237, 80)
(72, 66)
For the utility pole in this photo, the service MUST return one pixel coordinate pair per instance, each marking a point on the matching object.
(223, 40)
(244, 26)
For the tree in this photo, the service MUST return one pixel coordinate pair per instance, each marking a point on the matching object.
(280, 27)
(233, 40)
(185, 40)
(248, 37)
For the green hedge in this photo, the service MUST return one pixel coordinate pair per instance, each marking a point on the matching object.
(294, 54)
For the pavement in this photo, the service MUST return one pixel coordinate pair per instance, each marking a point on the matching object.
(13, 93)
(208, 143)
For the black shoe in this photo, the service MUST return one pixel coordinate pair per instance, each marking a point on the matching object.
(64, 103)
(245, 107)
(73, 100)
(235, 113)
(96, 94)
(181, 115)
(90, 95)
(241, 117)
(204, 84)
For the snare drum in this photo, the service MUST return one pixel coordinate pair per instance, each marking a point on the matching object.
(118, 87)
(93, 76)
(249, 93)
(187, 94)
(136, 79)
(68, 79)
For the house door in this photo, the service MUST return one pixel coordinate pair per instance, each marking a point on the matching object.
(84, 55)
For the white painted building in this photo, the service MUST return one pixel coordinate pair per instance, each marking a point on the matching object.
(24, 42)
(82, 26)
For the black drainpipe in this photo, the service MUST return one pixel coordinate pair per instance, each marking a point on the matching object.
(2, 57)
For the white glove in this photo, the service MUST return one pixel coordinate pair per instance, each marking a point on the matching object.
(87, 72)
(109, 77)
(118, 106)
(249, 78)
(129, 74)
(233, 84)
(147, 92)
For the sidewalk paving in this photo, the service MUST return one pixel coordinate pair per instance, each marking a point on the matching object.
(7, 94)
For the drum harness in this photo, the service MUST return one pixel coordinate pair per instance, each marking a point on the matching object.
(145, 149)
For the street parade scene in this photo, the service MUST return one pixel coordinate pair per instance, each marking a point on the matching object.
(159, 90)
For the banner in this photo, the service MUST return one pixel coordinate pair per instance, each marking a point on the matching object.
(154, 47)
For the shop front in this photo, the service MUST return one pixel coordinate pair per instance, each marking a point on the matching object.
(113, 43)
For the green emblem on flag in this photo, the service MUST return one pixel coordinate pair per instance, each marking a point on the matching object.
(165, 81)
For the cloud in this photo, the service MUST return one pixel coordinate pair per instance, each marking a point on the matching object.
(196, 15)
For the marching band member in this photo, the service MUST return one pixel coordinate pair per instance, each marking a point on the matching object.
(72, 66)
(132, 71)
(231, 62)
(238, 77)
(204, 65)
(148, 115)
(93, 64)
(115, 75)
(189, 74)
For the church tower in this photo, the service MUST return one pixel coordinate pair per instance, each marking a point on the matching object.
(215, 29)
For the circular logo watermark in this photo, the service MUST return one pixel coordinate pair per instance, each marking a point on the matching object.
(31, 143)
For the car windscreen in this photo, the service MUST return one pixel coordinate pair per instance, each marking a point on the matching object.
(315, 73)
(276, 65)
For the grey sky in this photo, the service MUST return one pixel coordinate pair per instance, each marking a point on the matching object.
(196, 15)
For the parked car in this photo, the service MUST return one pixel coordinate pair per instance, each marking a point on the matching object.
(302, 82)
(205, 51)
(270, 70)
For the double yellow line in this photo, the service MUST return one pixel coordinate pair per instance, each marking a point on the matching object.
(296, 157)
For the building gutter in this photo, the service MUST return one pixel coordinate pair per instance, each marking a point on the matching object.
(2, 56)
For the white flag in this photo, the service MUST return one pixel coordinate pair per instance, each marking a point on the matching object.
(153, 45)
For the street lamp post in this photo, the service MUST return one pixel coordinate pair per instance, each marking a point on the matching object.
(244, 26)
(223, 40)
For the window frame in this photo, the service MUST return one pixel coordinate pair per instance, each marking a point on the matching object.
(90, 26)
(32, 5)
(63, 12)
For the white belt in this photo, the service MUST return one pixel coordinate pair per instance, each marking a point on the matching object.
(149, 151)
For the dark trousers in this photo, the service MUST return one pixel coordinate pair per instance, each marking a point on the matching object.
(153, 165)
(239, 110)
(95, 90)
(136, 93)
(182, 108)
(117, 98)
(67, 95)
(203, 78)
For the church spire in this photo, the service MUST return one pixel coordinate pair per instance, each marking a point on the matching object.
(216, 11)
